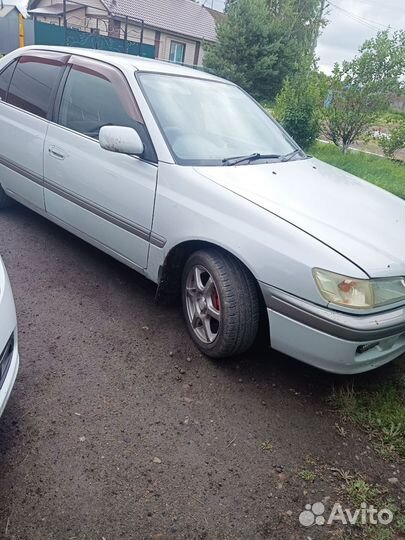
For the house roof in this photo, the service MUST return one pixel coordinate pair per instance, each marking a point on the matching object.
(183, 17)
(219, 16)
(6, 10)
(54, 9)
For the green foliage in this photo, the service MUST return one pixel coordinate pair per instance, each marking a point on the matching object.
(298, 107)
(351, 111)
(300, 22)
(395, 141)
(391, 116)
(262, 41)
(382, 172)
(308, 476)
(381, 63)
(360, 90)
(228, 4)
(246, 51)
(361, 491)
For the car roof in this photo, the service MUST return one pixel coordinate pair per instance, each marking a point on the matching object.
(138, 63)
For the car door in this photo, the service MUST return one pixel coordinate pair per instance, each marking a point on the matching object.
(27, 89)
(105, 196)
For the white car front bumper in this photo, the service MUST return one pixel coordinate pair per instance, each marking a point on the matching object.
(11, 365)
(9, 359)
(331, 340)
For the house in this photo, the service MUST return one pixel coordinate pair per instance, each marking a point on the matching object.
(178, 29)
(12, 28)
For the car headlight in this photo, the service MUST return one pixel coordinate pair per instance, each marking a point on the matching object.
(359, 293)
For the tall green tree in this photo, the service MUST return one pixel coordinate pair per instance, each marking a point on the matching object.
(262, 41)
(360, 90)
(228, 4)
(246, 51)
(302, 21)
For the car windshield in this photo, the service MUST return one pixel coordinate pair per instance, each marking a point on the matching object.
(208, 122)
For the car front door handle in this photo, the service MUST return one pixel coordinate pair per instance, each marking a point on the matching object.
(56, 152)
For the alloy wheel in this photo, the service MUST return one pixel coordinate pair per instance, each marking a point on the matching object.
(203, 304)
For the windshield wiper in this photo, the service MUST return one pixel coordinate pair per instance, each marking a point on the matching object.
(250, 157)
(290, 155)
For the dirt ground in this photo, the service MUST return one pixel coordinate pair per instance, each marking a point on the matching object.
(374, 148)
(119, 429)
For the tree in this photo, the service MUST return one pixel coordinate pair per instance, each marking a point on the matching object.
(298, 106)
(359, 90)
(228, 4)
(381, 63)
(262, 41)
(302, 21)
(298, 24)
(246, 51)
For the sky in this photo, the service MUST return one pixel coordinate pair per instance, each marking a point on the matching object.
(350, 23)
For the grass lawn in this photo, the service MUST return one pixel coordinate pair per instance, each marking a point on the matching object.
(382, 172)
(378, 407)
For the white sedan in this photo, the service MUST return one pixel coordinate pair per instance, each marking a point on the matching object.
(9, 359)
(185, 178)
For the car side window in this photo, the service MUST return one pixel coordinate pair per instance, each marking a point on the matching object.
(95, 96)
(5, 78)
(34, 80)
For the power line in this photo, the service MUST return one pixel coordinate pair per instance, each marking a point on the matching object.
(370, 24)
(357, 18)
(369, 2)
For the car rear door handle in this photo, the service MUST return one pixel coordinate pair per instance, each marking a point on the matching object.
(56, 152)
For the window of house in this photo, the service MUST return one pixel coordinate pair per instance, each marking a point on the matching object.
(33, 81)
(5, 78)
(114, 28)
(177, 52)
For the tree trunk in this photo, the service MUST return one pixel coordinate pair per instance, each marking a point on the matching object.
(345, 147)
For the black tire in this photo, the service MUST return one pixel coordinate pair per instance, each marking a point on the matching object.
(5, 201)
(237, 302)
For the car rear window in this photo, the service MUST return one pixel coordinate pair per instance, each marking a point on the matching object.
(33, 82)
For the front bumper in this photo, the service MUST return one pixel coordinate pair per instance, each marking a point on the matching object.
(8, 339)
(8, 382)
(332, 340)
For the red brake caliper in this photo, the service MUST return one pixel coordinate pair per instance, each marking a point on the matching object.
(216, 300)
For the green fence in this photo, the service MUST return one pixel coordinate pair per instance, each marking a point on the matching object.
(51, 34)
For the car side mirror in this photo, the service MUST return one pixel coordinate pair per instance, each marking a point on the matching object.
(121, 139)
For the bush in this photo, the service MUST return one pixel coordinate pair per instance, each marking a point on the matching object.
(393, 142)
(298, 108)
(360, 89)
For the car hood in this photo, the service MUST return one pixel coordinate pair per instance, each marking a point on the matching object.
(364, 223)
